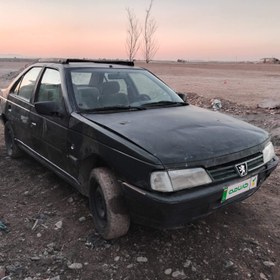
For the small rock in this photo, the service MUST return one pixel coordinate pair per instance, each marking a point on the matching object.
(82, 219)
(26, 193)
(35, 258)
(6, 278)
(58, 225)
(142, 259)
(55, 278)
(168, 271)
(216, 104)
(117, 258)
(75, 266)
(228, 264)
(39, 235)
(269, 263)
(269, 104)
(252, 241)
(248, 250)
(193, 269)
(51, 245)
(179, 274)
(187, 263)
(3, 226)
(129, 266)
(262, 276)
(70, 199)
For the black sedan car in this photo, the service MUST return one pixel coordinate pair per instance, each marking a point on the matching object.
(129, 143)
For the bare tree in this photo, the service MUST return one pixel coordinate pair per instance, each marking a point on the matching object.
(133, 35)
(150, 27)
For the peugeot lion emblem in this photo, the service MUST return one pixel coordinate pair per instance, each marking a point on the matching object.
(242, 169)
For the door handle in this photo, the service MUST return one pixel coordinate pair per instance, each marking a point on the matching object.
(33, 124)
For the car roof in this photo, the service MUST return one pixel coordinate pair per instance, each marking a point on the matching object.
(75, 62)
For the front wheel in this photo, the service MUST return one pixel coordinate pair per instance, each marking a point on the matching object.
(11, 146)
(107, 205)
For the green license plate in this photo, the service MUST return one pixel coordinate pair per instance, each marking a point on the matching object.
(238, 188)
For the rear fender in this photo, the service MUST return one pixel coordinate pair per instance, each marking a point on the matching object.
(3, 102)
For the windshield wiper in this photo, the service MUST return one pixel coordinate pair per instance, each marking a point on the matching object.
(115, 108)
(164, 103)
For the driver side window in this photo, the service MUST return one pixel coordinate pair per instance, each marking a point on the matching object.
(50, 87)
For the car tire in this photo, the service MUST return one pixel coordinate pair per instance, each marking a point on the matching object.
(107, 204)
(11, 146)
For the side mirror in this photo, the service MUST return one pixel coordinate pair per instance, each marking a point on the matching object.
(182, 96)
(49, 108)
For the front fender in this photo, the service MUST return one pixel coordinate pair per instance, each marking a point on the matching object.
(91, 145)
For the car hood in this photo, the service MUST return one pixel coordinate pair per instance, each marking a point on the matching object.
(177, 135)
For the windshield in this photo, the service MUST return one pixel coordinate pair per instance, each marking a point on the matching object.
(97, 89)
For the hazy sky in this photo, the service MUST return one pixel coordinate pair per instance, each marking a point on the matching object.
(197, 29)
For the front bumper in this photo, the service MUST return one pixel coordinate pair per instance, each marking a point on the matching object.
(174, 210)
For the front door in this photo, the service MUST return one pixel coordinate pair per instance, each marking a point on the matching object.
(49, 133)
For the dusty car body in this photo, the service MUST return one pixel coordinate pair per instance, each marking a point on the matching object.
(131, 144)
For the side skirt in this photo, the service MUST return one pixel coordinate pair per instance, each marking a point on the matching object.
(56, 169)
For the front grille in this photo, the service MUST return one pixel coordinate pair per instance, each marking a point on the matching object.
(228, 171)
(255, 163)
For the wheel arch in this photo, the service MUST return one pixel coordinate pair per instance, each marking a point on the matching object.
(86, 166)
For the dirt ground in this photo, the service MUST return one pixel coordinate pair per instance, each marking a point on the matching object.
(242, 83)
(50, 233)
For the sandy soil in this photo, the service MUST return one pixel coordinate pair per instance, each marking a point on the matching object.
(50, 234)
(248, 84)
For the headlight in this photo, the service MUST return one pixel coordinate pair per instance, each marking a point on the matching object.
(160, 181)
(175, 180)
(268, 153)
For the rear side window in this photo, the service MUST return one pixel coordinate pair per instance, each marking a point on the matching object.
(26, 86)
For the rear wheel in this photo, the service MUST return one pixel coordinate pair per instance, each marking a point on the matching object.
(107, 205)
(11, 146)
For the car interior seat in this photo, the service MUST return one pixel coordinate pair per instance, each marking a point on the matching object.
(87, 97)
(111, 96)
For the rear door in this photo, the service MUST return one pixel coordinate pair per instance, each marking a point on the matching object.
(19, 105)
